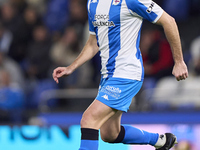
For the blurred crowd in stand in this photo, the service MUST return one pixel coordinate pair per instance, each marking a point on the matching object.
(38, 35)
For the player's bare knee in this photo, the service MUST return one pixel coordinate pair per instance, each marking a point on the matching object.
(87, 121)
(84, 121)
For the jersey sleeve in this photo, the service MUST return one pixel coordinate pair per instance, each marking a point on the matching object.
(91, 27)
(146, 9)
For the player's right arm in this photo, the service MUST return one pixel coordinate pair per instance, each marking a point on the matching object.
(89, 51)
(150, 11)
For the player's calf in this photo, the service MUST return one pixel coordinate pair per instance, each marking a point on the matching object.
(110, 138)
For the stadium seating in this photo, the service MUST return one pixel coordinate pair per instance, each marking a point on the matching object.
(177, 94)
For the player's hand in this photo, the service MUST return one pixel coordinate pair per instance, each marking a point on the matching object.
(60, 72)
(180, 71)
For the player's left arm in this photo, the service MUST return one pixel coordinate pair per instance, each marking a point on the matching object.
(169, 25)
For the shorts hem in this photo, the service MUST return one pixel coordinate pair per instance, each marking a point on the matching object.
(109, 105)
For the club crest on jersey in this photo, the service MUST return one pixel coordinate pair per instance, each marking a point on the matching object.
(116, 2)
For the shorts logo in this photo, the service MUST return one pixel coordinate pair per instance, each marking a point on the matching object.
(149, 9)
(111, 91)
(105, 97)
(116, 2)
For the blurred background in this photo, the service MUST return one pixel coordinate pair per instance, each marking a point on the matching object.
(36, 36)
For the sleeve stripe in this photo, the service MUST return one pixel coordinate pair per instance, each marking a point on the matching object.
(93, 33)
(158, 17)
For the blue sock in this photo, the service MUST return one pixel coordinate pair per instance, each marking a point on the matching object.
(132, 135)
(89, 139)
(136, 136)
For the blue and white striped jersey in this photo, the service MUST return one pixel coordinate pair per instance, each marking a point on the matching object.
(117, 25)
